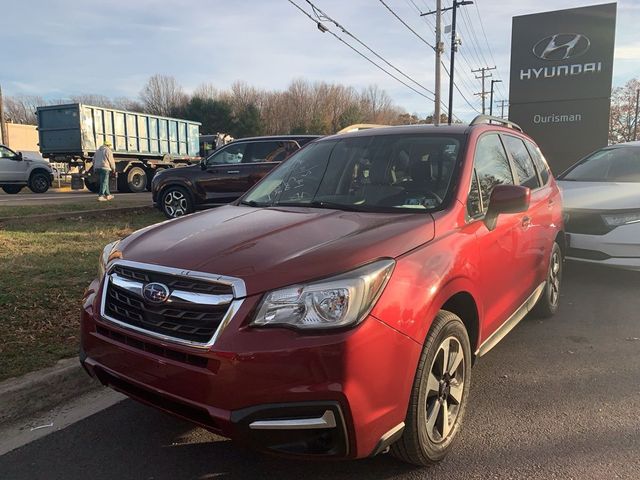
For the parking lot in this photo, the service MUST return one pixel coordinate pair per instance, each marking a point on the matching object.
(558, 398)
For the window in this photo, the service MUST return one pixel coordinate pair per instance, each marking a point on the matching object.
(524, 165)
(618, 164)
(540, 162)
(234, 153)
(492, 166)
(474, 207)
(6, 153)
(270, 151)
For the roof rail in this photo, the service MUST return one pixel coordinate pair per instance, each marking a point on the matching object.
(489, 119)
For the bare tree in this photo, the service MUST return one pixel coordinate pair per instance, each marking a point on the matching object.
(22, 108)
(623, 112)
(162, 95)
(92, 99)
(206, 91)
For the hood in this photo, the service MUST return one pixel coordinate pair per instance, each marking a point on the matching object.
(273, 247)
(34, 157)
(600, 195)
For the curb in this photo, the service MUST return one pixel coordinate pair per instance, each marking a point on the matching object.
(43, 389)
(75, 214)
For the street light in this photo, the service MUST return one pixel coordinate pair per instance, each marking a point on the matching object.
(493, 82)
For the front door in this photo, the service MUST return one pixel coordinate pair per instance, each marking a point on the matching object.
(12, 167)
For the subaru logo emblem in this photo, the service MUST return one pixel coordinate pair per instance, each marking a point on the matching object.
(561, 46)
(155, 292)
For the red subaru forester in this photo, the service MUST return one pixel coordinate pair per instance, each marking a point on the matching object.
(335, 310)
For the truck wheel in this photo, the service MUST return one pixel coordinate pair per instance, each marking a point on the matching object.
(136, 180)
(93, 187)
(39, 182)
(12, 189)
(439, 395)
(175, 202)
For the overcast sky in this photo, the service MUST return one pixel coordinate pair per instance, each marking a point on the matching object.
(57, 48)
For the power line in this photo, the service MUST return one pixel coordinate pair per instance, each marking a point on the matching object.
(484, 33)
(321, 16)
(325, 29)
(406, 25)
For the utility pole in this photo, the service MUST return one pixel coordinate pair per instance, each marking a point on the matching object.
(454, 46)
(439, 49)
(502, 103)
(3, 125)
(635, 123)
(484, 75)
(493, 82)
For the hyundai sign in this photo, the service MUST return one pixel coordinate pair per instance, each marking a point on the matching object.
(560, 85)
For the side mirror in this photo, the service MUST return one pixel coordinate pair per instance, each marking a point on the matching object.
(19, 156)
(203, 164)
(506, 199)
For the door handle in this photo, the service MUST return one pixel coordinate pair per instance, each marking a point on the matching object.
(233, 171)
(526, 221)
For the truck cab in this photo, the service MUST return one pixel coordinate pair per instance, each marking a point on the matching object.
(17, 171)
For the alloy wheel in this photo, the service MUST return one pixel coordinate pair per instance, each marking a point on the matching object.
(445, 388)
(175, 203)
(554, 278)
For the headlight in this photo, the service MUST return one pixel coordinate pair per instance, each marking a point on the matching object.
(336, 302)
(618, 219)
(108, 254)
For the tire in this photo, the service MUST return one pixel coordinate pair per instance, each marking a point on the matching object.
(136, 179)
(175, 202)
(93, 187)
(425, 441)
(12, 189)
(39, 182)
(547, 305)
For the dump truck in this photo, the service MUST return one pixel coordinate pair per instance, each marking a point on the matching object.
(142, 144)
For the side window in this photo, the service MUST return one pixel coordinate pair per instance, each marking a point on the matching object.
(275, 151)
(232, 154)
(524, 165)
(474, 207)
(6, 153)
(538, 159)
(492, 166)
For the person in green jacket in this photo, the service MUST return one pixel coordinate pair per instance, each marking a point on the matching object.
(104, 164)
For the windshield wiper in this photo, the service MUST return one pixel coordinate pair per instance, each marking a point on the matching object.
(252, 203)
(320, 204)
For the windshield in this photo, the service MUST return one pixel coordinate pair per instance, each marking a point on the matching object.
(371, 173)
(621, 164)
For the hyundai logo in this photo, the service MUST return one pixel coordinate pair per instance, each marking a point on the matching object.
(155, 292)
(561, 46)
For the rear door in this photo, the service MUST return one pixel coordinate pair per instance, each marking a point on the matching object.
(262, 157)
(536, 221)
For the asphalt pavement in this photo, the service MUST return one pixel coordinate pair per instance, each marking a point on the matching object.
(62, 196)
(556, 399)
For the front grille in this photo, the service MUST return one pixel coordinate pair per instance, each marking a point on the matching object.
(192, 313)
(172, 281)
(586, 222)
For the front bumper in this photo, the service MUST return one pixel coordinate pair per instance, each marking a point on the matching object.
(360, 380)
(618, 248)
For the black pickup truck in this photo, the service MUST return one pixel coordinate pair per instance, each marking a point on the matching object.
(224, 176)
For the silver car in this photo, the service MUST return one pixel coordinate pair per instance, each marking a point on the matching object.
(601, 195)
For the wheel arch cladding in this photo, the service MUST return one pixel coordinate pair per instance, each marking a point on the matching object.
(464, 306)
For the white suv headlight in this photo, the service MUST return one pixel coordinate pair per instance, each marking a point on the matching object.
(339, 301)
(618, 219)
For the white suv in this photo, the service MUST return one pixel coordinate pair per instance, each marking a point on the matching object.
(17, 172)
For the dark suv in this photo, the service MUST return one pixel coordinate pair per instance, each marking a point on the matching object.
(225, 175)
(336, 309)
